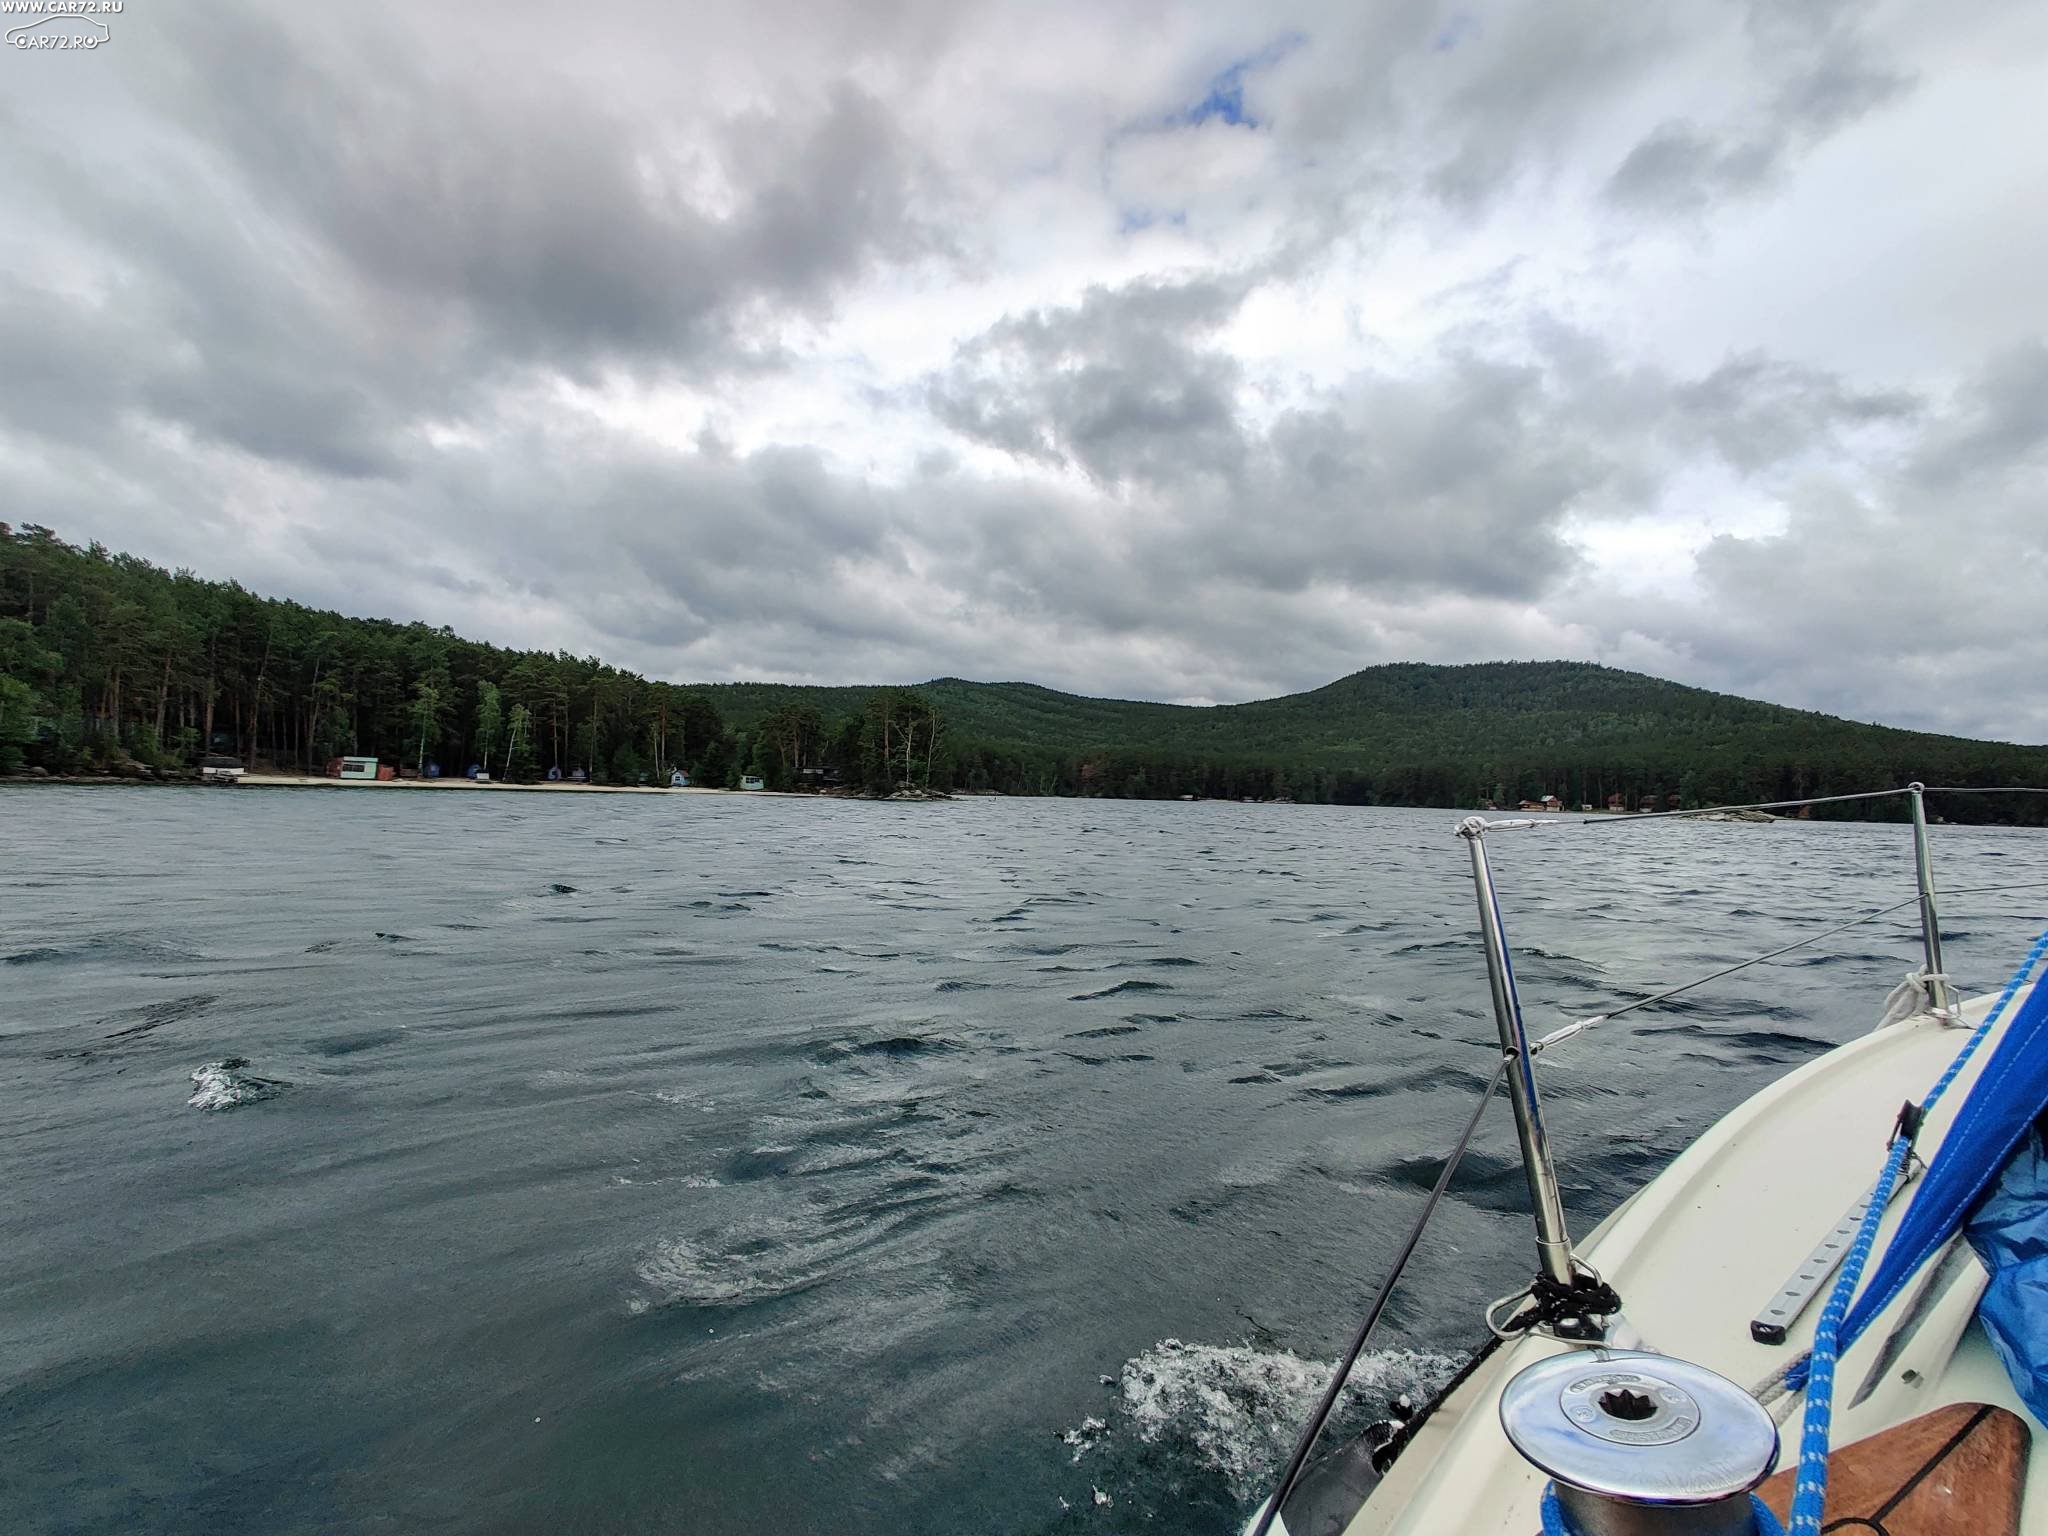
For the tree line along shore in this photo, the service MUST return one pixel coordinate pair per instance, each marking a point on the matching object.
(111, 665)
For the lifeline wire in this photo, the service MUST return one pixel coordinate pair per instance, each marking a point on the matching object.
(1610, 818)
(1577, 1026)
(1328, 1405)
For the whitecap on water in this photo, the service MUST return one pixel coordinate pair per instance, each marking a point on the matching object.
(757, 1260)
(1084, 1439)
(226, 1085)
(684, 1100)
(770, 1246)
(1236, 1410)
(683, 1272)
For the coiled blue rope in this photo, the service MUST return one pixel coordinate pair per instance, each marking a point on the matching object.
(1556, 1524)
(1810, 1486)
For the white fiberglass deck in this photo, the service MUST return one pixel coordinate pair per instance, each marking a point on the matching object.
(1704, 1246)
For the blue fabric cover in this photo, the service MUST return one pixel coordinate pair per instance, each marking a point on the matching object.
(2011, 1091)
(2010, 1233)
(1557, 1523)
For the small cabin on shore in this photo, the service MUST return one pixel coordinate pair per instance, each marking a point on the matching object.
(753, 781)
(359, 768)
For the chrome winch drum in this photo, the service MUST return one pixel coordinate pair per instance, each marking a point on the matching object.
(1642, 1444)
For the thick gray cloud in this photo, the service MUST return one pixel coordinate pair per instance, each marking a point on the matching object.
(1926, 587)
(1123, 385)
(327, 239)
(528, 215)
(1173, 352)
(1814, 73)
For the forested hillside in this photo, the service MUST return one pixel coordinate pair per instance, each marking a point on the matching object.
(107, 660)
(1411, 734)
(108, 663)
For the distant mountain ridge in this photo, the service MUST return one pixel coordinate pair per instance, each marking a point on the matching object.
(109, 664)
(1446, 734)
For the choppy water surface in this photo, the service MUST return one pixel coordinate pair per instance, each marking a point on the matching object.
(387, 1161)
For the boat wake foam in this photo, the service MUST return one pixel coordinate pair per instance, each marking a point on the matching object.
(226, 1085)
(1235, 1410)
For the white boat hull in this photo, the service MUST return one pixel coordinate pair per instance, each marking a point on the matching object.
(1703, 1247)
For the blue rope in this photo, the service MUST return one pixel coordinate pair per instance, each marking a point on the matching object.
(1810, 1487)
(1555, 1523)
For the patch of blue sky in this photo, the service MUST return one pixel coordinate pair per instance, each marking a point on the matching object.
(1223, 101)
(1132, 220)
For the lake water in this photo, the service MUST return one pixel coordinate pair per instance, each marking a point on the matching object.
(720, 1164)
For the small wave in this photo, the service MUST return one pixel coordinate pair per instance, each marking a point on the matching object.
(556, 888)
(226, 1085)
(99, 949)
(683, 1272)
(1483, 1181)
(1762, 1046)
(348, 1045)
(1119, 989)
(1103, 1033)
(962, 986)
(1419, 1081)
(683, 1100)
(905, 1045)
(153, 1016)
(1439, 946)
(773, 1162)
(764, 1259)
(888, 1047)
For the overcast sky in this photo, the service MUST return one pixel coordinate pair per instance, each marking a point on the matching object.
(1169, 351)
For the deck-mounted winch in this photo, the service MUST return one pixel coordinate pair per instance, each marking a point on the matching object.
(1641, 1444)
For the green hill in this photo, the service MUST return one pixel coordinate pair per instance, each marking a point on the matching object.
(111, 664)
(1424, 734)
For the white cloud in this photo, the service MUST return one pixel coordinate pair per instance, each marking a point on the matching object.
(841, 343)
